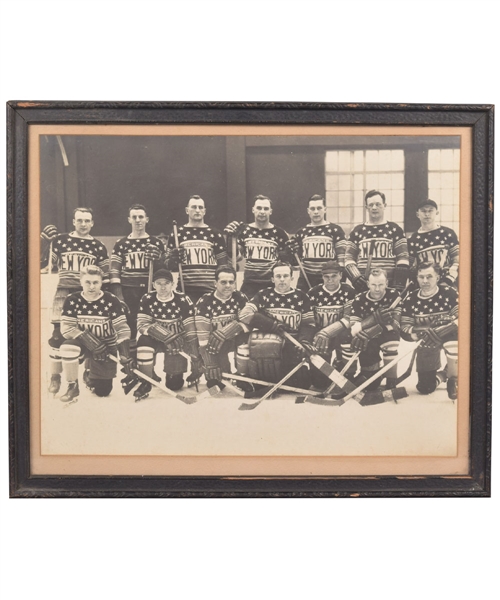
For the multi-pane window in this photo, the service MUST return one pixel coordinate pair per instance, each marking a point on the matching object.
(352, 173)
(444, 185)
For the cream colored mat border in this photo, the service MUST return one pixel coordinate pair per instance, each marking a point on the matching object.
(250, 466)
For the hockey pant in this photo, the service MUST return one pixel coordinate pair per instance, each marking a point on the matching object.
(429, 359)
(147, 348)
(387, 344)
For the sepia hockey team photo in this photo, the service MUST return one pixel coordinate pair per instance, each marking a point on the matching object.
(309, 276)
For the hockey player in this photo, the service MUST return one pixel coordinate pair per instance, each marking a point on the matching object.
(378, 243)
(129, 269)
(434, 243)
(431, 314)
(201, 250)
(70, 253)
(270, 313)
(93, 325)
(331, 304)
(262, 245)
(375, 328)
(216, 317)
(166, 324)
(317, 243)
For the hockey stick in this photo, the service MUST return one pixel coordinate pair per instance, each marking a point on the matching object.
(234, 251)
(302, 270)
(176, 240)
(253, 405)
(150, 276)
(322, 365)
(380, 372)
(287, 388)
(185, 399)
(343, 372)
(216, 390)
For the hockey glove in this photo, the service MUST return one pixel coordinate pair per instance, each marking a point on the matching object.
(172, 340)
(152, 252)
(219, 336)
(49, 233)
(234, 228)
(360, 340)
(293, 245)
(177, 256)
(126, 361)
(212, 369)
(381, 316)
(322, 339)
(431, 338)
(96, 346)
(267, 324)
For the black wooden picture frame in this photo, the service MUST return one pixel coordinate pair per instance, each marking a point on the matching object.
(21, 115)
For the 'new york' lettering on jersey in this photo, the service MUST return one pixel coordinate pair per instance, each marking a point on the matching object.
(329, 307)
(385, 243)
(438, 246)
(292, 308)
(104, 317)
(71, 253)
(176, 314)
(319, 244)
(129, 264)
(429, 311)
(212, 313)
(205, 249)
(261, 249)
(363, 306)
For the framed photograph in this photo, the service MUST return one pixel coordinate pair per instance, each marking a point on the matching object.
(249, 299)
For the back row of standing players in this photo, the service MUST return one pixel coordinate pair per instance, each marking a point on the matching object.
(362, 313)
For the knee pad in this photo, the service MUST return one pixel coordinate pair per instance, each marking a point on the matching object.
(101, 387)
(265, 356)
(57, 338)
(427, 382)
(175, 382)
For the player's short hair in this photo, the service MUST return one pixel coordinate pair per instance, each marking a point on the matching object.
(224, 269)
(372, 193)
(314, 198)
(282, 263)
(195, 197)
(83, 209)
(429, 265)
(262, 197)
(92, 270)
(377, 272)
(137, 207)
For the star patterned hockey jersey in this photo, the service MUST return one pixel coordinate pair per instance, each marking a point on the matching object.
(329, 307)
(438, 246)
(129, 265)
(385, 243)
(205, 250)
(104, 317)
(422, 312)
(212, 313)
(261, 250)
(70, 253)
(319, 244)
(363, 306)
(293, 308)
(175, 315)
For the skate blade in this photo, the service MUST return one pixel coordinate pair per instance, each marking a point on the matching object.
(139, 398)
(73, 401)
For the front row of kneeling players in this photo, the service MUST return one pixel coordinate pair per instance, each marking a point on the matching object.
(330, 318)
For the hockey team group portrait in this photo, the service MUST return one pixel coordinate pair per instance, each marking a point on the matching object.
(261, 295)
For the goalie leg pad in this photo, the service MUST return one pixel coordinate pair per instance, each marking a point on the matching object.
(265, 356)
(101, 387)
(451, 352)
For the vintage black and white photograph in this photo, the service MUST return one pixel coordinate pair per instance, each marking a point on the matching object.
(253, 292)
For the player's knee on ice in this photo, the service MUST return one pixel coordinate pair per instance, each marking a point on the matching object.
(102, 387)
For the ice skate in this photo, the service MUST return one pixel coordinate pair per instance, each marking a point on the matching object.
(72, 392)
(452, 387)
(142, 391)
(55, 384)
